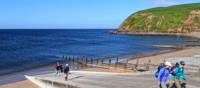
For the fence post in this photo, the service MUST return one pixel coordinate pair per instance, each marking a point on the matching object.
(66, 59)
(117, 59)
(97, 61)
(86, 60)
(91, 60)
(109, 61)
(137, 63)
(77, 59)
(126, 63)
(69, 60)
(102, 61)
(73, 61)
(82, 59)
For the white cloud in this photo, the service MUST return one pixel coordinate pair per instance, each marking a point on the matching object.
(164, 2)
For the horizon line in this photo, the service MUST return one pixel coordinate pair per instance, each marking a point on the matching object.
(52, 28)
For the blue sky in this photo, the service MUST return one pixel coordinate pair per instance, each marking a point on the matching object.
(73, 13)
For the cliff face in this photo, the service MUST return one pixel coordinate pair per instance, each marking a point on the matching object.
(178, 18)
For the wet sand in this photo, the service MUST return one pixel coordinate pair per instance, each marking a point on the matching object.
(158, 58)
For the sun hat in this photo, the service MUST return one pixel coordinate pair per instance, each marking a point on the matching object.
(168, 64)
(66, 64)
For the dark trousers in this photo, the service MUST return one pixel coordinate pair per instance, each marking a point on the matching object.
(66, 76)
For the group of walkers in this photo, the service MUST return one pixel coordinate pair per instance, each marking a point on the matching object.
(60, 69)
(169, 76)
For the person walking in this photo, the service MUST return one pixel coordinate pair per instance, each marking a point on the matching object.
(61, 68)
(158, 69)
(172, 78)
(66, 71)
(179, 75)
(163, 75)
(57, 68)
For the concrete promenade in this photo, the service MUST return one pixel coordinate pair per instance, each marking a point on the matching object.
(84, 79)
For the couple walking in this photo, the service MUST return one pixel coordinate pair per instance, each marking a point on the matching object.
(59, 69)
(169, 76)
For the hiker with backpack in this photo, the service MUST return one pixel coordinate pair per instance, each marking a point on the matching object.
(158, 69)
(172, 76)
(163, 75)
(179, 76)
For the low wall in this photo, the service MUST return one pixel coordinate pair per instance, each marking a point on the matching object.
(42, 83)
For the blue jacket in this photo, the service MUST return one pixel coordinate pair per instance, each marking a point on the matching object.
(179, 73)
(163, 74)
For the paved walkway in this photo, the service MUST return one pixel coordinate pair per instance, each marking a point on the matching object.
(84, 79)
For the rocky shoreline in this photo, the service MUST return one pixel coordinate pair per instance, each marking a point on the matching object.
(195, 35)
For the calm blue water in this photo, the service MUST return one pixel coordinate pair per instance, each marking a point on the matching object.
(28, 48)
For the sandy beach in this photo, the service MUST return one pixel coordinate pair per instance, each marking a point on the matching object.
(158, 58)
(20, 84)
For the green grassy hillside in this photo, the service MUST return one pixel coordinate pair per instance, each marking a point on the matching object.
(184, 17)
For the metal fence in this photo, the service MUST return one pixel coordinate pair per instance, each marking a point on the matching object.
(76, 63)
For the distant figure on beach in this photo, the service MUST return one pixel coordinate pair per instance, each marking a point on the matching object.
(163, 75)
(57, 68)
(66, 71)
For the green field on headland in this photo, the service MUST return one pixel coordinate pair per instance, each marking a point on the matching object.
(177, 18)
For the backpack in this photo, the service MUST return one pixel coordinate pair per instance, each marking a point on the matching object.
(66, 70)
(157, 72)
(175, 74)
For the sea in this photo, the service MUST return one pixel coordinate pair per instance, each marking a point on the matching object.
(22, 49)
